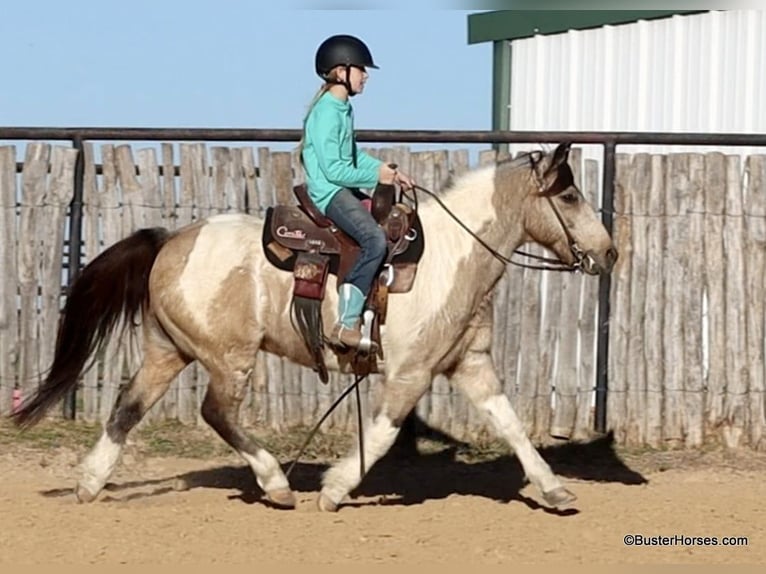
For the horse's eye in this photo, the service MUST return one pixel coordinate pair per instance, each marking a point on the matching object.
(569, 198)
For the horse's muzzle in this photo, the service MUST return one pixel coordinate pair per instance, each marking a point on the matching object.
(600, 264)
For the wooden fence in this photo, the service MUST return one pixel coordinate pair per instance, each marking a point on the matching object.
(687, 334)
(687, 327)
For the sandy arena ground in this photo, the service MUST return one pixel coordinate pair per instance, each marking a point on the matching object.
(430, 509)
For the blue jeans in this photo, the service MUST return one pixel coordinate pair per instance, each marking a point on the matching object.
(351, 217)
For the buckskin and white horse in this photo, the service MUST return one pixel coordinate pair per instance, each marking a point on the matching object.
(207, 293)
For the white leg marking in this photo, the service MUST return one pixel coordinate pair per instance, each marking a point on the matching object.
(343, 477)
(267, 471)
(99, 464)
(507, 425)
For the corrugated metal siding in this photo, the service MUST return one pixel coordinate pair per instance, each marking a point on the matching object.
(698, 73)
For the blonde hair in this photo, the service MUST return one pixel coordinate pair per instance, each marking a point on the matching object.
(331, 80)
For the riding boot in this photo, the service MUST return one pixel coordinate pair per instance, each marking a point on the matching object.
(347, 330)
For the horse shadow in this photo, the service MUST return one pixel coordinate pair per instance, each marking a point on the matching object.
(407, 477)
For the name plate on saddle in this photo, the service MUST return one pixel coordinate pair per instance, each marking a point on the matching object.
(293, 229)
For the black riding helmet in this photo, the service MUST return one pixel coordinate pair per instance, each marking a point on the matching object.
(342, 50)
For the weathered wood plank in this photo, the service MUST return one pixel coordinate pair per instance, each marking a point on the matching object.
(619, 319)
(565, 381)
(694, 392)
(169, 190)
(223, 187)
(31, 227)
(237, 197)
(736, 413)
(715, 264)
(282, 175)
(676, 278)
(653, 325)
(755, 269)
(252, 201)
(266, 187)
(640, 184)
(9, 320)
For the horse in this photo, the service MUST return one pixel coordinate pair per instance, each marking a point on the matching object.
(207, 293)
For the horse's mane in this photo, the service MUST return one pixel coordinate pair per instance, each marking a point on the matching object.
(523, 159)
(527, 159)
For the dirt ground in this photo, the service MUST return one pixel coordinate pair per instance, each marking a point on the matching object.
(442, 505)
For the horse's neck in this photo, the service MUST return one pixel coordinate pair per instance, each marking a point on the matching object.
(454, 254)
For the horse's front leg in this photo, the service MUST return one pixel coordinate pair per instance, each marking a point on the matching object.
(475, 376)
(400, 395)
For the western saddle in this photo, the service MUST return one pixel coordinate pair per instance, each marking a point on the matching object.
(300, 239)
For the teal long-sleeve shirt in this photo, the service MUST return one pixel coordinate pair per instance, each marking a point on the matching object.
(328, 147)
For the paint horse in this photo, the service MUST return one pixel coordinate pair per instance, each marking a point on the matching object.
(208, 293)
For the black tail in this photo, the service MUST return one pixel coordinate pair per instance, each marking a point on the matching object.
(114, 285)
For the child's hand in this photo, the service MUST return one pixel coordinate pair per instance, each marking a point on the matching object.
(389, 175)
(386, 174)
(404, 180)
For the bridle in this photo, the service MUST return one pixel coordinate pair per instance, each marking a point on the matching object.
(549, 264)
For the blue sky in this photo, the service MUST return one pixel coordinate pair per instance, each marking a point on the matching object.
(229, 63)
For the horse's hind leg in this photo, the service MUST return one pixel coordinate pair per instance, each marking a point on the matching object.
(160, 366)
(476, 377)
(220, 410)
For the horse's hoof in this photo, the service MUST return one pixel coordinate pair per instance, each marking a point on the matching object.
(84, 495)
(282, 498)
(559, 497)
(324, 504)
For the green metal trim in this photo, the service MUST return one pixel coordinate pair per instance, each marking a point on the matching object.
(515, 24)
(501, 88)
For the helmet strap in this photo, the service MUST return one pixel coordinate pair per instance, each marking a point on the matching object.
(347, 82)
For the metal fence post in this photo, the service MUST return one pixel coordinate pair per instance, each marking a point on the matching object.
(604, 288)
(75, 248)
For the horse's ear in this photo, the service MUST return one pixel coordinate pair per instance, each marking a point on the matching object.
(550, 168)
(552, 165)
(561, 155)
